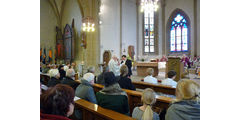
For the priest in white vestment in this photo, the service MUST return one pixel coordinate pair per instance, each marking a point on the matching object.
(114, 65)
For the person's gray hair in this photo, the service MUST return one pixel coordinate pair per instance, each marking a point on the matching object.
(65, 68)
(88, 77)
(150, 71)
(91, 69)
(53, 72)
(70, 73)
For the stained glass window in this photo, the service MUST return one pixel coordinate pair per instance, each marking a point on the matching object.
(179, 34)
(149, 32)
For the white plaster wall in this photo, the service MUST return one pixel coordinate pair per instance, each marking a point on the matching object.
(160, 33)
(129, 25)
(198, 27)
(48, 23)
(110, 27)
(188, 7)
(140, 33)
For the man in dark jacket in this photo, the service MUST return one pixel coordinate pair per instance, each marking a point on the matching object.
(112, 96)
(128, 63)
(68, 80)
(62, 72)
(100, 79)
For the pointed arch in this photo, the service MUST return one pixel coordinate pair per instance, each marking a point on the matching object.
(178, 31)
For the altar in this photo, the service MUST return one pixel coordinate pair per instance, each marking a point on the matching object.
(143, 66)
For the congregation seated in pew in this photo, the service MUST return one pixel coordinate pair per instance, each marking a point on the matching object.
(67, 66)
(145, 111)
(85, 89)
(68, 80)
(150, 78)
(170, 80)
(112, 96)
(45, 68)
(95, 112)
(62, 72)
(57, 103)
(187, 103)
(91, 69)
(54, 78)
(123, 80)
(100, 79)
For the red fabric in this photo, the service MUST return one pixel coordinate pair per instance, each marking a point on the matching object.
(58, 50)
(163, 59)
(52, 117)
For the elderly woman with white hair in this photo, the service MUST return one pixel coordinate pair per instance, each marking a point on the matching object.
(85, 89)
(54, 77)
(68, 80)
(91, 69)
(114, 65)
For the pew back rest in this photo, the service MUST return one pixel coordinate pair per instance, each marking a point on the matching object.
(156, 87)
(92, 111)
(134, 99)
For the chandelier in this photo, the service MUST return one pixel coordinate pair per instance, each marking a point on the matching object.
(149, 5)
(88, 24)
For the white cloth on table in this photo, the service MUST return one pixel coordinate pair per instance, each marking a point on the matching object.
(150, 79)
(161, 65)
(114, 67)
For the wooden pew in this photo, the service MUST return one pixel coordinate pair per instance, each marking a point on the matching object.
(134, 99)
(45, 77)
(76, 76)
(92, 111)
(156, 87)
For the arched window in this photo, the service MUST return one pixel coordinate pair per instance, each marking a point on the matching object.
(179, 34)
(149, 43)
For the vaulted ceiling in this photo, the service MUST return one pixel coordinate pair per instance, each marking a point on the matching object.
(58, 7)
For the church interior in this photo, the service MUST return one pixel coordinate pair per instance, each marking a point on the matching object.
(120, 51)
